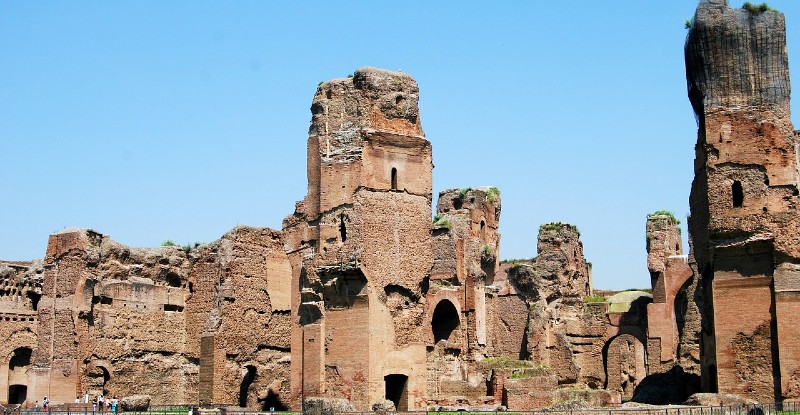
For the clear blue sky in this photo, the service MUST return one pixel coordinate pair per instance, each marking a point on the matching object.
(179, 120)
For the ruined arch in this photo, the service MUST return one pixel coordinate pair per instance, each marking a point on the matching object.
(625, 357)
(445, 320)
(98, 377)
(18, 364)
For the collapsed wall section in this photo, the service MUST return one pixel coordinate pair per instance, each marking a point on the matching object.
(240, 319)
(111, 320)
(669, 318)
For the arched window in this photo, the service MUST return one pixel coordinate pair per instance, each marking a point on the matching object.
(445, 320)
(394, 178)
(738, 194)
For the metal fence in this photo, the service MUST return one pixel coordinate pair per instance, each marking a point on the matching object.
(785, 408)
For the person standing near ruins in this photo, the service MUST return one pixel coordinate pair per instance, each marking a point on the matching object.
(45, 404)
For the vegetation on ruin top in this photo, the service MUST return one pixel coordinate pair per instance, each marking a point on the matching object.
(517, 261)
(440, 222)
(188, 247)
(527, 374)
(557, 226)
(492, 194)
(593, 299)
(462, 192)
(757, 9)
(506, 363)
(666, 213)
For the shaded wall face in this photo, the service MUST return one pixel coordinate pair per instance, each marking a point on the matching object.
(737, 58)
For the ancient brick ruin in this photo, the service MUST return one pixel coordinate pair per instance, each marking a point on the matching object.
(363, 301)
(744, 221)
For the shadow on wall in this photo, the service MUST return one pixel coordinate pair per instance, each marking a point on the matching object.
(671, 387)
(273, 403)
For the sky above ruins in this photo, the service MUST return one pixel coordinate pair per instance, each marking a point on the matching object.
(179, 120)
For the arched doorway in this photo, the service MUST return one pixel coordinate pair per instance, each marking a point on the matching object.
(445, 320)
(397, 391)
(625, 364)
(18, 375)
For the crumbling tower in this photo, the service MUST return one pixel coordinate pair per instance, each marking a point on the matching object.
(466, 245)
(744, 201)
(360, 245)
(670, 277)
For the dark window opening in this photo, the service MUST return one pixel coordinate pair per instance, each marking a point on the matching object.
(34, 297)
(738, 194)
(328, 94)
(342, 228)
(173, 307)
(394, 178)
(483, 230)
(445, 320)
(397, 391)
(173, 280)
(17, 394)
(247, 380)
(458, 202)
(21, 358)
(102, 299)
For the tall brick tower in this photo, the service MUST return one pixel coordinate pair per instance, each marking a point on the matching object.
(360, 245)
(744, 200)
